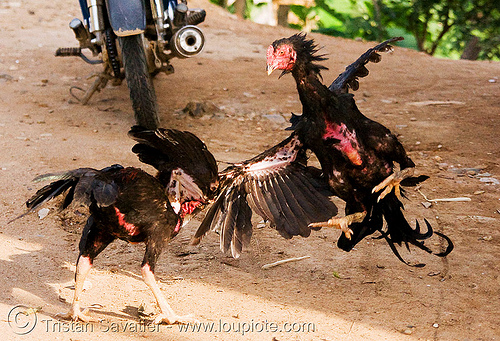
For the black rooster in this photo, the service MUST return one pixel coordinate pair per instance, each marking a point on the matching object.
(129, 204)
(356, 153)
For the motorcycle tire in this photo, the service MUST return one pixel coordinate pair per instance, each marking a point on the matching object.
(139, 82)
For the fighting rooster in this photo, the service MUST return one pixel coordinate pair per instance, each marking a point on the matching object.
(357, 154)
(129, 204)
(132, 205)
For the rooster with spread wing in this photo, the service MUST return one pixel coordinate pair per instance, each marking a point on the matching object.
(356, 154)
(132, 205)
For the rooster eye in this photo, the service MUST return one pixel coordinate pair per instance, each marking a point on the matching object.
(282, 52)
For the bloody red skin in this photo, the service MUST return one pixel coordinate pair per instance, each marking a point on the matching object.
(186, 208)
(348, 142)
(130, 228)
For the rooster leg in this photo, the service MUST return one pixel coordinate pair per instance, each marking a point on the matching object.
(167, 315)
(393, 181)
(341, 223)
(94, 239)
(83, 267)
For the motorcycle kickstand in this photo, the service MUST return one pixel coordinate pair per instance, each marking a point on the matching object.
(102, 79)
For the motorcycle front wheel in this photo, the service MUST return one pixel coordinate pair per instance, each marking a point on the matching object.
(139, 82)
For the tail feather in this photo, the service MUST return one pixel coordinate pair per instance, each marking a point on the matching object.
(80, 184)
(47, 193)
(68, 199)
(349, 78)
(65, 175)
(398, 230)
(449, 245)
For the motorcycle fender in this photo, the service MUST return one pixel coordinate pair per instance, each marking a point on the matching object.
(127, 17)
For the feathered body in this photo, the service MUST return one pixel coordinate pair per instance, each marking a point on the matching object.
(132, 205)
(355, 152)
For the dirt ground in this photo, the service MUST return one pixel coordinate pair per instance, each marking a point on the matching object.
(366, 294)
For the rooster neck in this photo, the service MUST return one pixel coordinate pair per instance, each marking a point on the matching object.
(316, 99)
(305, 70)
(323, 120)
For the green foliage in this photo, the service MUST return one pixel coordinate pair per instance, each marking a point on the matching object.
(437, 27)
(444, 28)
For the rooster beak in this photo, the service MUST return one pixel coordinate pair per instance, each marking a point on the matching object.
(270, 68)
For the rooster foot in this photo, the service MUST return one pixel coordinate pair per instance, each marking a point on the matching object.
(78, 315)
(392, 182)
(341, 223)
(174, 319)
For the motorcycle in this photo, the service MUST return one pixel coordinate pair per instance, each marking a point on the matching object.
(149, 34)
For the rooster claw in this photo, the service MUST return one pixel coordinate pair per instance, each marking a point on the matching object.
(77, 315)
(393, 181)
(341, 223)
(175, 319)
(334, 222)
(388, 184)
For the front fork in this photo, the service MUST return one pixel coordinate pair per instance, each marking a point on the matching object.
(158, 16)
(96, 39)
(174, 30)
(95, 24)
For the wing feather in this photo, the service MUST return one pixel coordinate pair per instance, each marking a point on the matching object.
(259, 199)
(299, 212)
(349, 78)
(320, 207)
(302, 195)
(292, 212)
(243, 229)
(278, 186)
(169, 150)
(231, 215)
(253, 203)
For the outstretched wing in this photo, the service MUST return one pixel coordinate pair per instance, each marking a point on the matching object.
(277, 186)
(349, 78)
(184, 163)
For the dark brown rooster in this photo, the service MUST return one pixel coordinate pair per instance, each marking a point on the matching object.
(129, 204)
(357, 154)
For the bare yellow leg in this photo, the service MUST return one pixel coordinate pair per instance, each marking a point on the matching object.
(342, 223)
(393, 181)
(166, 315)
(75, 314)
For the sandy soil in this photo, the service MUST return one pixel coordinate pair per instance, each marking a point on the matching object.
(366, 294)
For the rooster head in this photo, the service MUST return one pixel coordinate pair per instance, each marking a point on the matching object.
(281, 57)
(288, 53)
